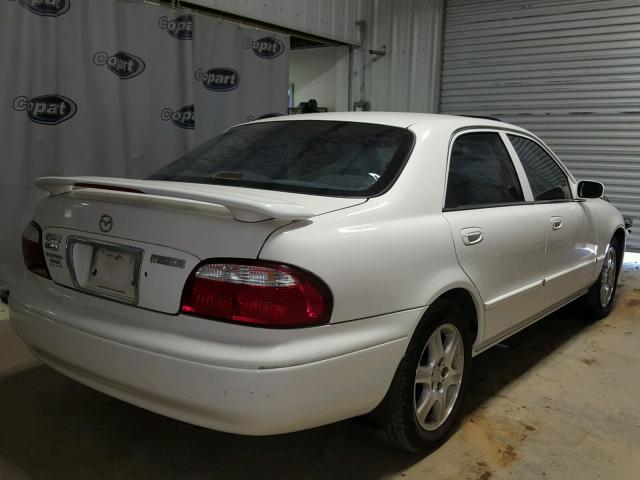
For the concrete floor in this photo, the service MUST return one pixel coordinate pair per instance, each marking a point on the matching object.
(558, 401)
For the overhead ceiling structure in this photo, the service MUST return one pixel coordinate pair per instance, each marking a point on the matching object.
(329, 19)
(569, 70)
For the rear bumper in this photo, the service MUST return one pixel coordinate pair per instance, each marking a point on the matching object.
(227, 377)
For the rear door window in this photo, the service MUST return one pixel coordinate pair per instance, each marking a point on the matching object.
(481, 172)
(547, 180)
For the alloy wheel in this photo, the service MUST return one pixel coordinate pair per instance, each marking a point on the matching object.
(439, 376)
(608, 279)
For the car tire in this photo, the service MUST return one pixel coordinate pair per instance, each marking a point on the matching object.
(601, 296)
(426, 376)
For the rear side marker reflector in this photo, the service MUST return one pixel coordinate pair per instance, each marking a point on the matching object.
(257, 293)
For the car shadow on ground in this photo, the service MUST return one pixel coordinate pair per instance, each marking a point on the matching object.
(496, 368)
(52, 427)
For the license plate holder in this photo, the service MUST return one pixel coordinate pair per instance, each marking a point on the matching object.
(105, 269)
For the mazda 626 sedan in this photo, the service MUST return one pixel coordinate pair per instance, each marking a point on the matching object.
(297, 271)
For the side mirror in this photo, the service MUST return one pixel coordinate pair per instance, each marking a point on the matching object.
(589, 189)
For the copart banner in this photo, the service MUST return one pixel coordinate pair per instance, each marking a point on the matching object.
(112, 88)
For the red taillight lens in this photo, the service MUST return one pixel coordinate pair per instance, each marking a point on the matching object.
(257, 293)
(32, 251)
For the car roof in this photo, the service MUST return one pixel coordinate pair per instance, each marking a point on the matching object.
(399, 119)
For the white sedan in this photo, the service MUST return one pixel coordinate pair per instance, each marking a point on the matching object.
(297, 271)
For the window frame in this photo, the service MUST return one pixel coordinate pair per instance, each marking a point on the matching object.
(563, 170)
(515, 159)
(526, 190)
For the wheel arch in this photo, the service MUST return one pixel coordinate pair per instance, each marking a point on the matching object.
(465, 300)
(621, 237)
(467, 297)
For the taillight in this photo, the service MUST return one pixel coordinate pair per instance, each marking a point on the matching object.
(267, 294)
(32, 251)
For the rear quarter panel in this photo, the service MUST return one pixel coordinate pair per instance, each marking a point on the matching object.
(371, 267)
(392, 253)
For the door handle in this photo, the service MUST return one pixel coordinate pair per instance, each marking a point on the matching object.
(472, 236)
(556, 223)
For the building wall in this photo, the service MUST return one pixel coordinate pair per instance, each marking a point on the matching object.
(333, 19)
(407, 78)
(321, 73)
(569, 70)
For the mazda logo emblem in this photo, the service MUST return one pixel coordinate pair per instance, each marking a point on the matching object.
(106, 223)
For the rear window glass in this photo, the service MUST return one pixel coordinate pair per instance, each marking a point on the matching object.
(307, 156)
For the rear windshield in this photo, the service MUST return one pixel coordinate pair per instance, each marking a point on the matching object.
(344, 159)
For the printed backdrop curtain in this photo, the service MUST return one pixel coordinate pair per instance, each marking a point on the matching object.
(113, 88)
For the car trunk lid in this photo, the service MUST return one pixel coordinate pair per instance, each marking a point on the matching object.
(136, 241)
(245, 204)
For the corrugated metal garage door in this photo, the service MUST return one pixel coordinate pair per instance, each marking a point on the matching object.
(569, 70)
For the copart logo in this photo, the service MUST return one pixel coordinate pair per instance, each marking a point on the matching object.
(180, 27)
(46, 109)
(47, 8)
(183, 118)
(218, 79)
(266, 47)
(123, 64)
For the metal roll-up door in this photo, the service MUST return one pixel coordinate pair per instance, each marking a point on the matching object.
(568, 70)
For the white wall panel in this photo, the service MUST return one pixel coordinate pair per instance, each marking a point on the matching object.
(569, 70)
(333, 19)
(321, 73)
(407, 77)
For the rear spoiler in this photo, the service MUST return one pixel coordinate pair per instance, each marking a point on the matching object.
(243, 207)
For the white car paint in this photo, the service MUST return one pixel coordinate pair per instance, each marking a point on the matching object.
(385, 259)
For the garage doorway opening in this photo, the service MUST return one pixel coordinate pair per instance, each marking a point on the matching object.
(318, 72)
(319, 68)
